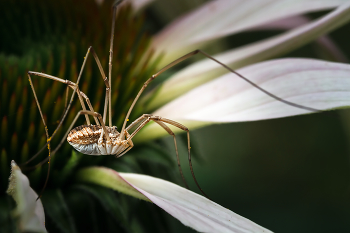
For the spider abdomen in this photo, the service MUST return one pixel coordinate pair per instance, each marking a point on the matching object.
(87, 140)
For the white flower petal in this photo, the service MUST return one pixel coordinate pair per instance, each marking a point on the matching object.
(188, 207)
(207, 70)
(220, 18)
(29, 211)
(308, 82)
(328, 50)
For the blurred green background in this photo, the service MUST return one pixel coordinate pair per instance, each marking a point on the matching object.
(288, 175)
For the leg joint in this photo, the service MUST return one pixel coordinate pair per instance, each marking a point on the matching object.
(157, 118)
(70, 83)
(83, 95)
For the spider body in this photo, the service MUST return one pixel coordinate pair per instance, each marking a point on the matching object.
(90, 140)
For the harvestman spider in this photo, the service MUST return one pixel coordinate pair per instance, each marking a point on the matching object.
(100, 139)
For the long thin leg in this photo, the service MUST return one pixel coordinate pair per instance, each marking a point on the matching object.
(116, 3)
(110, 62)
(131, 144)
(71, 84)
(48, 139)
(70, 101)
(147, 118)
(120, 155)
(226, 67)
(39, 152)
(137, 121)
(177, 153)
(91, 109)
(180, 126)
(105, 80)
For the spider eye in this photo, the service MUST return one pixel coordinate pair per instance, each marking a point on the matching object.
(115, 127)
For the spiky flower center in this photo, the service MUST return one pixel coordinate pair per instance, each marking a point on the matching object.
(53, 37)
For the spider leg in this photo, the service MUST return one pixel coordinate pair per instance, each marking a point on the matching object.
(74, 86)
(128, 136)
(150, 80)
(131, 144)
(71, 84)
(144, 119)
(137, 121)
(80, 94)
(180, 126)
(223, 65)
(107, 83)
(48, 139)
(65, 113)
(159, 120)
(62, 117)
(177, 153)
(110, 63)
(72, 97)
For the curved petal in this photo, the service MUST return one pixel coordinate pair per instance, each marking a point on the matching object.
(308, 82)
(188, 207)
(217, 19)
(207, 70)
(329, 50)
(29, 211)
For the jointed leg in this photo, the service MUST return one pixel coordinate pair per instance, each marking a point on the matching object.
(152, 78)
(226, 67)
(70, 102)
(70, 84)
(110, 62)
(180, 126)
(145, 118)
(177, 153)
(137, 121)
(131, 145)
(159, 120)
(105, 80)
(48, 139)
(75, 88)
